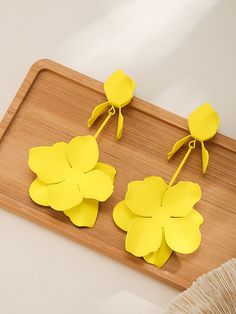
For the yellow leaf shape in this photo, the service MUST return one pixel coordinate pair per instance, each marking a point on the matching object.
(120, 125)
(182, 235)
(84, 214)
(96, 184)
(180, 198)
(119, 89)
(97, 111)
(205, 158)
(178, 145)
(49, 162)
(160, 257)
(64, 195)
(159, 184)
(122, 215)
(203, 122)
(38, 192)
(144, 236)
(142, 198)
(83, 153)
(195, 216)
(107, 169)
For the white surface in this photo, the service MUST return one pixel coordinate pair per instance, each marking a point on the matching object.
(181, 54)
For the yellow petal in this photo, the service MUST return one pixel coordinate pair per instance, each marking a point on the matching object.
(38, 192)
(84, 214)
(143, 237)
(119, 89)
(122, 215)
(203, 122)
(96, 184)
(205, 158)
(159, 184)
(107, 169)
(177, 145)
(64, 195)
(98, 110)
(160, 257)
(120, 125)
(195, 216)
(49, 162)
(182, 235)
(142, 198)
(83, 153)
(180, 198)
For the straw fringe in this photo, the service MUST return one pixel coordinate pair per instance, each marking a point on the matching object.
(212, 293)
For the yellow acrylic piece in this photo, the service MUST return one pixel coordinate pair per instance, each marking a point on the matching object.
(84, 214)
(38, 192)
(195, 216)
(205, 158)
(203, 124)
(143, 236)
(96, 184)
(159, 184)
(180, 198)
(98, 110)
(178, 145)
(107, 169)
(182, 235)
(122, 215)
(119, 89)
(160, 257)
(67, 174)
(120, 125)
(158, 219)
(49, 162)
(142, 198)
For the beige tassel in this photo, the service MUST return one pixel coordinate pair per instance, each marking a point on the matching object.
(213, 293)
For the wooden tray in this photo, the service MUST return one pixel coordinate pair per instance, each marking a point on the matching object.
(53, 104)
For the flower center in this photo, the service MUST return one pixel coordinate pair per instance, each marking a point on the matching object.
(74, 175)
(161, 216)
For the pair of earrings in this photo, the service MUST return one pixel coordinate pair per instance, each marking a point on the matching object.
(158, 217)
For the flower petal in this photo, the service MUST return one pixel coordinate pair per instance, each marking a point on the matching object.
(64, 195)
(180, 198)
(143, 237)
(84, 214)
(205, 158)
(182, 235)
(159, 184)
(95, 184)
(122, 215)
(83, 153)
(142, 198)
(49, 162)
(203, 122)
(195, 216)
(38, 192)
(160, 257)
(97, 111)
(119, 89)
(177, 145)
(107, 169)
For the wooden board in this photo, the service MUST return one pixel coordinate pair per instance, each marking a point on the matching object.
(53, 104)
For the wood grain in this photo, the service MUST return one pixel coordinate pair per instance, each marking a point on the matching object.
(53, 104)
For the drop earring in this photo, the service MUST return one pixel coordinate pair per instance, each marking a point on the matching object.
(69, 176)
(159, 217)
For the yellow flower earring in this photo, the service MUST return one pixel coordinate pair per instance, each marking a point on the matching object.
(158, 217)
(69, 176)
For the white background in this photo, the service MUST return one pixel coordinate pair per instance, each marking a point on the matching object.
(181, 54)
